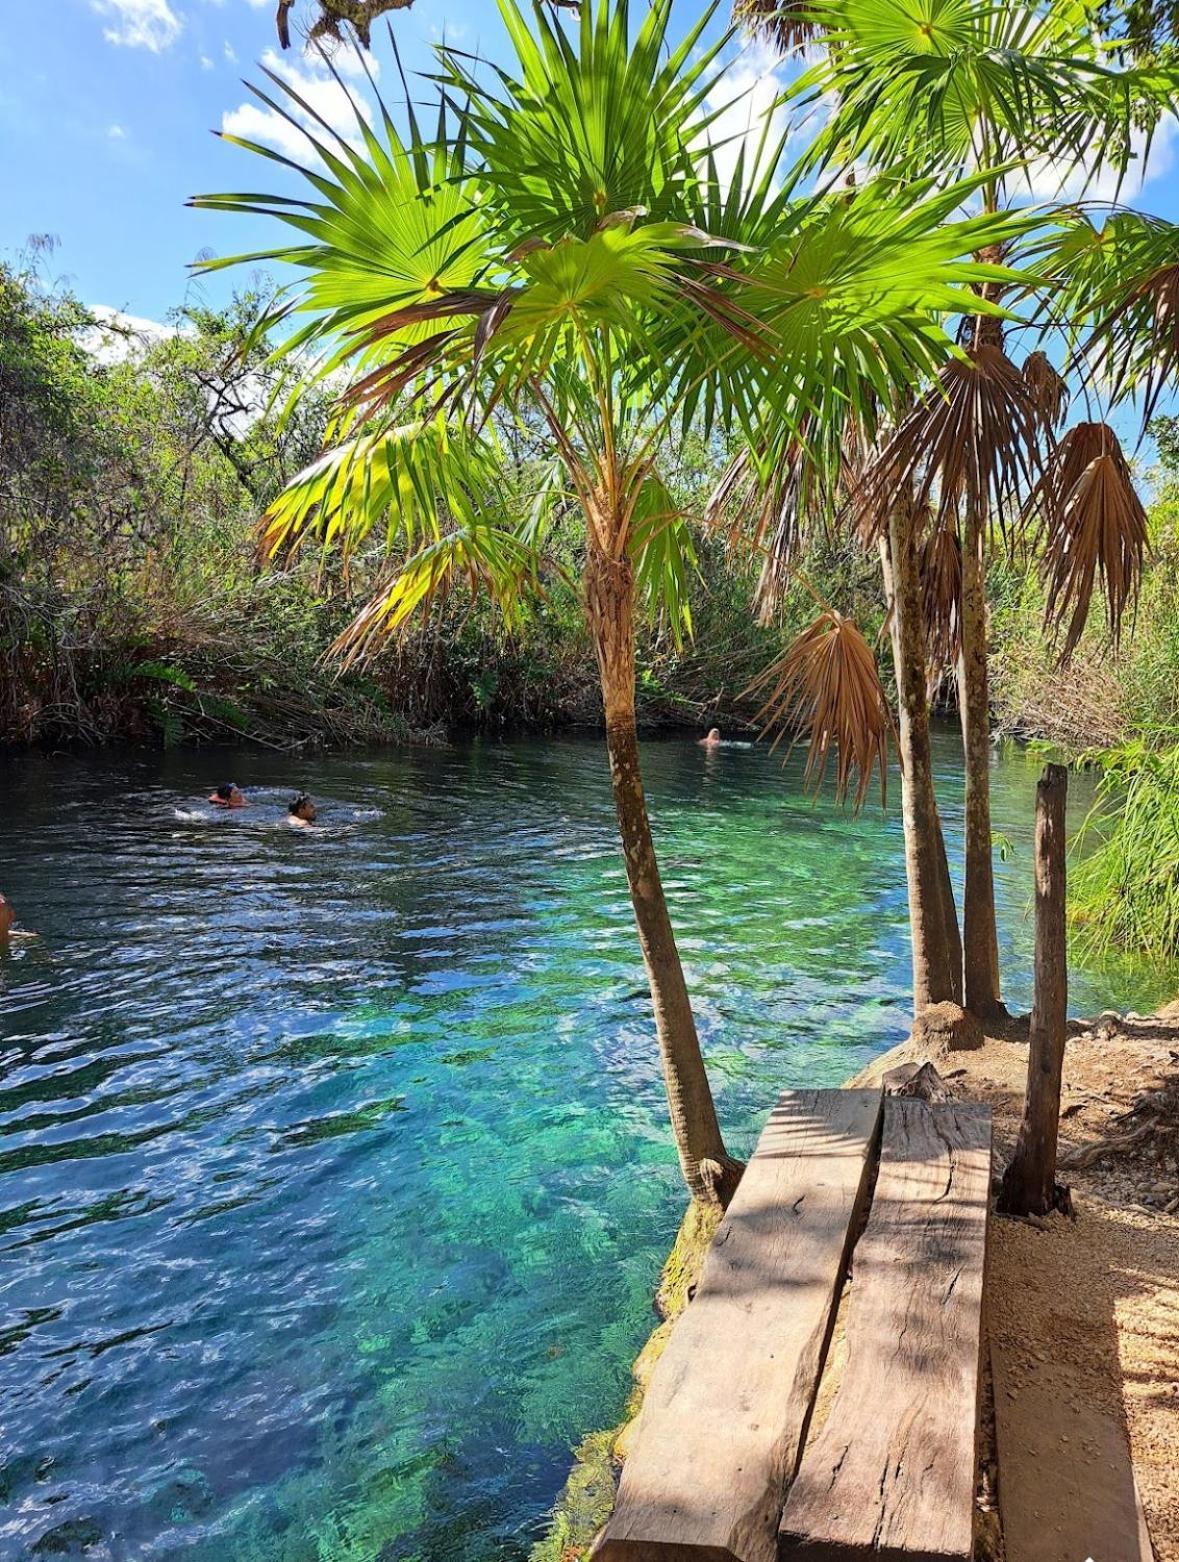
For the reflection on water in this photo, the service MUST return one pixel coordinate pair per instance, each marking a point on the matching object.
(334, 1175)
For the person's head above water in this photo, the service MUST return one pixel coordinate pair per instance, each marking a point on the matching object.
(302, 808)
(713, 736)
(7, 918)
(228, 795)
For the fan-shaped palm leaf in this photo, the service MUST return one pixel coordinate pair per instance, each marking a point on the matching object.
(963, 84)
(787, 24)
(1116, 288)
(825, 687)
(973, 445)
(1094, 529)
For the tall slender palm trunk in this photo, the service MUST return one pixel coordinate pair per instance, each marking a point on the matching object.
(933, 918)
(979, 930)
(711, 1174)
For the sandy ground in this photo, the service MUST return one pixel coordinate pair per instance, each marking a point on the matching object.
(1083, 1313)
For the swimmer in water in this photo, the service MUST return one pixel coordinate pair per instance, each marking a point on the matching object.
(7, 919)
(712, 740)
(228, 795)
(301, 811)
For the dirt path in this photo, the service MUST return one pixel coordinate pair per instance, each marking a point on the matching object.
(1083, 1314)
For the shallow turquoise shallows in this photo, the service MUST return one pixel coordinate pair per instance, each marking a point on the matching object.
(334, 1170)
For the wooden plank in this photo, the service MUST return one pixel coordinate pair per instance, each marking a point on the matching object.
(891, 1474)
(727, 1405)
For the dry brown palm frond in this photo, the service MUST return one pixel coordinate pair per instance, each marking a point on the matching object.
(1047, 388)
(770, 517)
(1136, 345)
(825, 687)
(977, 446)
(773, 515)
(1161, 291)
(941, 594)
(787, 24)
(1094, 528)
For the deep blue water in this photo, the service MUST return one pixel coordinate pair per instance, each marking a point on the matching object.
(334, 1173)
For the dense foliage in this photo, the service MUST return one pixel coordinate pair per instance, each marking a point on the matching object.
(132, 603)
(1103, 695)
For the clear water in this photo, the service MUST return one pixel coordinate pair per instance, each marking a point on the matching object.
(334, 1175)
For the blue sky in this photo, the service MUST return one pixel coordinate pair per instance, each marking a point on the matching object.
(106, 108)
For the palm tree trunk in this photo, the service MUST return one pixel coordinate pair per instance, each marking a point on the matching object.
(711, 1174)
(980, 935)
(933, 919)
(1029, 1184)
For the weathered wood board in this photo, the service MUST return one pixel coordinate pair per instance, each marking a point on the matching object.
(723, 1417)
(891, 1474)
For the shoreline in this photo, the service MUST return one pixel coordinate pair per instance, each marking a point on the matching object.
(1085, 1376)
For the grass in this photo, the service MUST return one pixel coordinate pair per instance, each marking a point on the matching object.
(1124, 892)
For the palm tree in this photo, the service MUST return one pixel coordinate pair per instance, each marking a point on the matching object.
(337, 19)
(563, 250)
(963, 89)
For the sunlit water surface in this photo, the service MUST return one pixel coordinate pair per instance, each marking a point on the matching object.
(334, 1171)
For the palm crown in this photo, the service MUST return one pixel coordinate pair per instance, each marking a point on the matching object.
(564, 242)
(563, 252)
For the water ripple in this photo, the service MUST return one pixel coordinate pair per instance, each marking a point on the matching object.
(334, 1172)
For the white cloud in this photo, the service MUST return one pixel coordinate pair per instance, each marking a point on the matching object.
(450, 32)
(251, 123)
(119, 336)
(321, 92)
(743, 100)
(206, 63)
(230, 53)
(1056, 179)
(116, 133)
(140, 24)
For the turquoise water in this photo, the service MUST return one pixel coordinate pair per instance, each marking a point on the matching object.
(334, 1176)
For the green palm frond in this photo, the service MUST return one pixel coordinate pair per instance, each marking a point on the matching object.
(664, 553)
(494, 559)
(964, 84)
(854, 295)
(393, 481)
(393, 224)
(583, 128)
(1116, 291)
(562, 247)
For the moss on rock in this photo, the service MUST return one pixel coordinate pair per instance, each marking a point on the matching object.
(587, 1497)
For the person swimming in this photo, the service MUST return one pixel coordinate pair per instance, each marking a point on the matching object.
(228, 795)
(301, 811)
(7, 919)
(712, 740)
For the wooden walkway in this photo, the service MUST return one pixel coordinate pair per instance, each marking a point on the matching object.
(721, 1446)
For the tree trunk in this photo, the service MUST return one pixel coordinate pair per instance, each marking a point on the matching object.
(937, 947)
(711, 1174)
(979, 934)
(1029, 1183)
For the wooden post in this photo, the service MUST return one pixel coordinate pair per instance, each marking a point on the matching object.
(1029, 1183)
